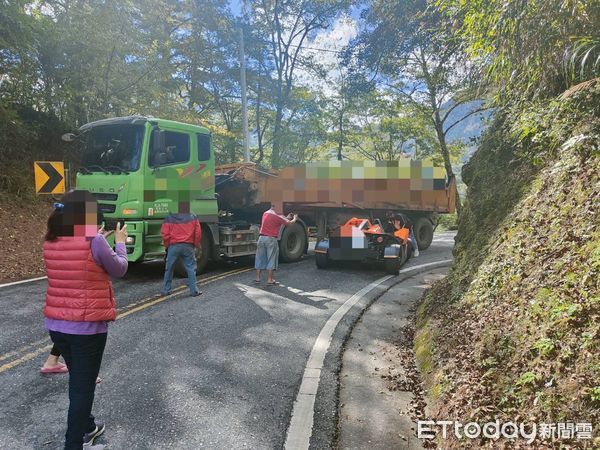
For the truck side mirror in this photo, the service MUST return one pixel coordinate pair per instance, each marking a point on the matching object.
(68, 137)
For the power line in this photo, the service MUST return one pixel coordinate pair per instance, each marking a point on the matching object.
(318, 49)
(327, 50)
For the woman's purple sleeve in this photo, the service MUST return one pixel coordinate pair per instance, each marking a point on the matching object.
(114, 262)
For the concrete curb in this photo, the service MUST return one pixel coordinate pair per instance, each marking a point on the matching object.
(315, 419)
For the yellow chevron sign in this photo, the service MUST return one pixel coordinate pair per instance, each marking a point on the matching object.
(49, 177)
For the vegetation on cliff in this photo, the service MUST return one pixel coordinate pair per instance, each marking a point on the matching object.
(513, 331)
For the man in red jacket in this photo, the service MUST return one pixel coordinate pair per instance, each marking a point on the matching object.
(181, 236)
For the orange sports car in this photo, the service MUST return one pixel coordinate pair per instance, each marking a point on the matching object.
(361, 240)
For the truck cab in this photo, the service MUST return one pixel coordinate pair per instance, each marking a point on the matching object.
(141, 168)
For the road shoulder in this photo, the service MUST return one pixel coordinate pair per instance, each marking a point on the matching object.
(375, 398)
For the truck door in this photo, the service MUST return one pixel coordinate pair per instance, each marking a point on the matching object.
(202, 181)
(166, 189)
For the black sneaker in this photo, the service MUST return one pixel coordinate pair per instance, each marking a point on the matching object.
(88, 438)
(196, 294)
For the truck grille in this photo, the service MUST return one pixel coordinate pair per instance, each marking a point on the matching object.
(104, 208)
(106, 197)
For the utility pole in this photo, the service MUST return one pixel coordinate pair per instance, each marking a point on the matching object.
(244, 100)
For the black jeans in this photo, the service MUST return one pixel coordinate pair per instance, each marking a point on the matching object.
(83, 355)
(55, 351)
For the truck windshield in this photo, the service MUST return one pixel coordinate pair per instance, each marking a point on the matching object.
(113, 149)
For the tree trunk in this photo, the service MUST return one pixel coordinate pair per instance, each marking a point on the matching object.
(341, 140)
(276, 152)
(261, 153)
(438, 123)
(439, 129)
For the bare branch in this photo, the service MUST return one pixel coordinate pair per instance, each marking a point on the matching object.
(478, 110)
(452, 108)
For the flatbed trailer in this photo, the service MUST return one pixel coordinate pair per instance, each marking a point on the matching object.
(326, 194)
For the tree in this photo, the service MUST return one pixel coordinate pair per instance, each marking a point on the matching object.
(261, 88)
(123, 64)
(535, 48)
(416, 55)
(288, 24)
(339, 102)
(389, 130)
(206, 53)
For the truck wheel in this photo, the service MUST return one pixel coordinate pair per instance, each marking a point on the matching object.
(203, 252)
(322, 260)
(423, 230)
(392, 266)
(293, 242)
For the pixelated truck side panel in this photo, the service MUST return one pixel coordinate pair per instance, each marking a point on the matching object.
(406, 184)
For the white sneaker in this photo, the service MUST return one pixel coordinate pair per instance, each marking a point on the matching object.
(416, 253)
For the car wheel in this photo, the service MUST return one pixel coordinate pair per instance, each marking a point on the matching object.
(392, 266)
(322, 260)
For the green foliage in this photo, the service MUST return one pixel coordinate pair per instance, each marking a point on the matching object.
(528, 378)
(519, 311)
(529, 48)
(281, 29)
(27, 135)
(388, 130)
(582, 61)
(447, 222)
(420, 61)
(595, 394)
(544, 346)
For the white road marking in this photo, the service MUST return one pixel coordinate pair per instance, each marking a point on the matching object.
(301, 423)
(22, 281)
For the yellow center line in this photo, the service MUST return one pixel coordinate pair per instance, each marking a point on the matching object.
(182, 288)
(22, 349)
(176, 290)
(34, 353)
(25, 358)
(162, 299)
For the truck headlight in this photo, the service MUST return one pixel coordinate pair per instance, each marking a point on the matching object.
(130, 240)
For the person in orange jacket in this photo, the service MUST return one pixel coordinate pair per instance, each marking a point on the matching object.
(181, 235)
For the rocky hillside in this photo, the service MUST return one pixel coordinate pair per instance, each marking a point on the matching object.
(513, 332)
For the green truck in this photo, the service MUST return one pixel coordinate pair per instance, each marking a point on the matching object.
(142, 168)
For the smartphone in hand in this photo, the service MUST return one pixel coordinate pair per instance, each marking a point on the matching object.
(111, 224)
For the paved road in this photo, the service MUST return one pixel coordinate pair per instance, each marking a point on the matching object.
(217, 371)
